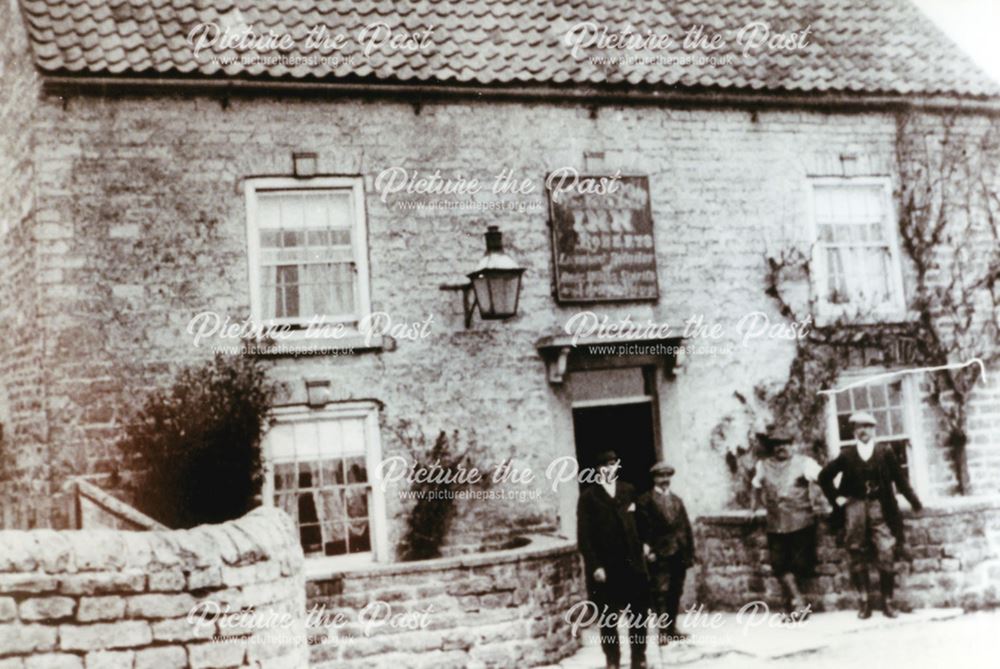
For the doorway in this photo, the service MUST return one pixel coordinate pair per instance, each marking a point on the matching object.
(626, 427)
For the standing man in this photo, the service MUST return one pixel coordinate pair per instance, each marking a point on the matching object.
(612, 557)
(866, 494)
(665, 528)
(781, 481)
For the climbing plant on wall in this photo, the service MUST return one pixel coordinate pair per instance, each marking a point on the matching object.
(948, 202)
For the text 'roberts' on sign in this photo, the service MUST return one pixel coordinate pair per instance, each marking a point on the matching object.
(602, 238)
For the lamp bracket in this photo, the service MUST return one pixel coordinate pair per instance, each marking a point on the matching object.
(469, 302)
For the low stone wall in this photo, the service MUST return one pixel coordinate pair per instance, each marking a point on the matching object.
(499, 609)
(116, 599)
(954, 547)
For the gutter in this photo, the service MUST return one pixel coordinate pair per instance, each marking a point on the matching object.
(62, 85)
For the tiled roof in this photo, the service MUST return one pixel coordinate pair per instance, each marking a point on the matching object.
(871, 46)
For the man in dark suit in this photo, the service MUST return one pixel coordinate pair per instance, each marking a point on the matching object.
(612, 557)
(868, 471)
(665, 528)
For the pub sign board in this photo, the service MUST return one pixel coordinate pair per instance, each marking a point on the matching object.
(602, 239)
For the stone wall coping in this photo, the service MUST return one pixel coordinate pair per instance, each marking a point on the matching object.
(941, 506)
(541, 546)
(114, 506)
(264, 533)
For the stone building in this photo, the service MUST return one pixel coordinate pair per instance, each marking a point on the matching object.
(284, 162)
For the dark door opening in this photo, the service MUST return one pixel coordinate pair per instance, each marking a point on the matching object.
(625, 428)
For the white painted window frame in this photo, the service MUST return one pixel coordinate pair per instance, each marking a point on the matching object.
(359, 243)
(827, 312)
(912, 417)
(369, 411)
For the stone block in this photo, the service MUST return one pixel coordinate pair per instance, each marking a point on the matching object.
(47, 608)
(109, 659)
(93, 609)
(159, 605)
(180, 630)
(102, 583)
(8, 609)
(171, 580)
(200, 579)
(53, 661)
(121, 634)
(215, 655)
(16, 638)
(31, 582)
(166, 657)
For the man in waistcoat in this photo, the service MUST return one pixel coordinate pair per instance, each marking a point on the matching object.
(782, 481)
(869, 476)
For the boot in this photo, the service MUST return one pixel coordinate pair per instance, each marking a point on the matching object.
(886, 581)
(865, 609)
(860, 578)
(794, 603)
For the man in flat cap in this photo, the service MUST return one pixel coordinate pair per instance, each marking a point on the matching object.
(782, 482)
(664, 527)
(869, 471)
(612, 557)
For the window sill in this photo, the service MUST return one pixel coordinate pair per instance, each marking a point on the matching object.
(827, 314)
(300, 346)
(327, 566)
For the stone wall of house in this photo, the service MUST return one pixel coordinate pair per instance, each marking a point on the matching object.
(954, 548)
(24, 470)
(501, 609)
(105, 598)
(144, 213)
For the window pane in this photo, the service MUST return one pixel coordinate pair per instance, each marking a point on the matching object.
(356, 470)
(285, 475)
(308, 475)
(306, 445)
(332, 472)
(860, 397)
(844, 427)
(334, 539)
(333, 505)
(311, 538)
(896, 393)
(896, 416)
(882, 420)
(878, 396)
(357, 502)
(360, 542)
(354, 436)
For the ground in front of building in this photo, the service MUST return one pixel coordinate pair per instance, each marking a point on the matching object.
(924, 639)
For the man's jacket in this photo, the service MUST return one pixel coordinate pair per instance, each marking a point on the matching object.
(607, 538)
(664, 525)
(852, 483)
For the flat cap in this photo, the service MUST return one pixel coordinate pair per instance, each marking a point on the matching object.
(862, 418)
(662, 469)
(776, 435)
